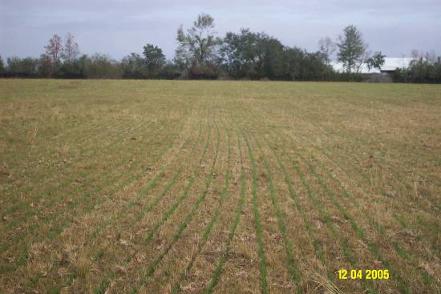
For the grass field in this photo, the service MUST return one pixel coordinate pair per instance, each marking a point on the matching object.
(228, 187)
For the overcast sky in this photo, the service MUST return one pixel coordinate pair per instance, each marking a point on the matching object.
(118, 27)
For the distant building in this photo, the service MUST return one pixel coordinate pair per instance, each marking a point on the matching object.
(390, 65)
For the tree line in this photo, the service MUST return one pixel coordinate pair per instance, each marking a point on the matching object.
(201, 54)
(424, 68)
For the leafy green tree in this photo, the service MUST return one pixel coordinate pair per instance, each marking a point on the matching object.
(75, 69)
(422, 70)
(2, 66)
(100, 66)
(23, 67)
(252, 55)
(273, 59)
(238, 53)
(294, 59)
(197, 46)
(170, 71)
(154, 59)
(376, 61)
(304, 66)
(315, 67)
(45, 67)
(352, 49)
(133, 66)
(259, 56)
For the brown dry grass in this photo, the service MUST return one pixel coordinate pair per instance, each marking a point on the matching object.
(228, 187)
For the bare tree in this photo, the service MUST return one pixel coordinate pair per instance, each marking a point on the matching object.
(327, 48)
(54, 48)
(415, 54)
(430, 56)
(71, 49)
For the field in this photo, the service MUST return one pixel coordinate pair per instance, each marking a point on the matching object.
(225, 187)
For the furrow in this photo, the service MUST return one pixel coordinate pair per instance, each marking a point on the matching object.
(216, 275)
(291, 262)
(258, 225)
(344, 244)
(108, 281)
(150, 270)
(213, 221)
(99, 188)
(377, 227)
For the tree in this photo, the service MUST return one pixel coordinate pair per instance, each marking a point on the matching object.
(154, 59)
(259, 56)
(197, 47)
(239, 53)
(53, 51)
(71, 49)
(294, 58)
(420, 70)
(2, 65)
(75, 69)
(102, 67)
(45, 66)
(133, 66)
(352, 49)
(327, 48)
(170, 71)
(376, 60)
(22, 67)
(302, 65)
(252, 55)
(54, 48)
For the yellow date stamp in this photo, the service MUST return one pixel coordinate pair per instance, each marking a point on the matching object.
(363, 274)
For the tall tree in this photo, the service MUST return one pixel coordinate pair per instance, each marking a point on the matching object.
(352, 49)
(54, 48)
(154, 58)
(197, 46)
(53, 51)
(327, 48)
(71, 50)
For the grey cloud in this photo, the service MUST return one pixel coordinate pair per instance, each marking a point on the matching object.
(118, 27)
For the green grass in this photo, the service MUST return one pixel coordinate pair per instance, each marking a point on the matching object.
(232, 230)
(281, 221)
(257, 223)
(218, 186)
